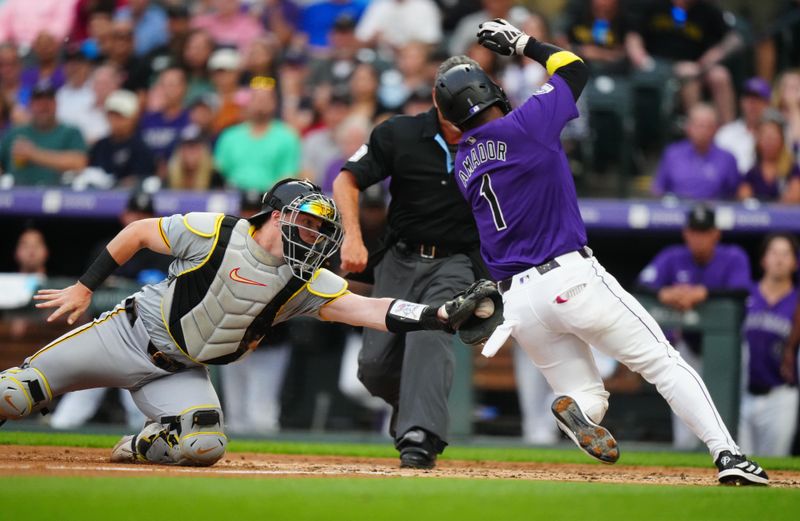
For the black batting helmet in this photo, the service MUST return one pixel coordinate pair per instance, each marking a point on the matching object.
(465, 91)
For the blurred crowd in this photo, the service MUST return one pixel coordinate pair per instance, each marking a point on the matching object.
(208, 94)
(205, 94)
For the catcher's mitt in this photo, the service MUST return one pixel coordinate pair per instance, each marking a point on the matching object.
(476, 312)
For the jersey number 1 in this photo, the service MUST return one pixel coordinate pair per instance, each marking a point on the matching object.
(494, 204)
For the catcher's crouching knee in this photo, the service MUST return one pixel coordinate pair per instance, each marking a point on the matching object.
(202, 440)
(23, 391)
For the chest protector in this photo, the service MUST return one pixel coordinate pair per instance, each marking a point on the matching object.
(223, 307)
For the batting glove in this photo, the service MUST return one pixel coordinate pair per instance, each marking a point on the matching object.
(501, 37)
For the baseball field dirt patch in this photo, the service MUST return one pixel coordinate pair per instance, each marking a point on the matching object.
(16, 460)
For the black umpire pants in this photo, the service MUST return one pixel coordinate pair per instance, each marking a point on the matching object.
(413, 372)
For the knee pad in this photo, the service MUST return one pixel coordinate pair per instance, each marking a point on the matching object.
(23, 391)
(194, 438)
(202, 442)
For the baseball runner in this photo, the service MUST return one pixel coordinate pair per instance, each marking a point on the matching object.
(230, 281)
(557, 298)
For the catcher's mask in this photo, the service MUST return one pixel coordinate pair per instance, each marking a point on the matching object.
(310, 224)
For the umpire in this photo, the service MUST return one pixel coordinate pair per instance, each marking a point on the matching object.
(426, 256)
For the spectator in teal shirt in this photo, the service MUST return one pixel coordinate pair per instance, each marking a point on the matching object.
(39, 153)
(256, 154)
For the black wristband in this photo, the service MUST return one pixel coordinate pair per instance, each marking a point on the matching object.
(403, 317)
(540, 52)
(103, 266)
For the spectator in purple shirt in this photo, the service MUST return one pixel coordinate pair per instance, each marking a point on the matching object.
(696, 168)
(775, 175)
(47, 68)
(768, 414)
(684, 275)
(160, 129)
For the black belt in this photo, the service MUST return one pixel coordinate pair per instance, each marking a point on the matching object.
(758, 390)
(542, 268)
(426, 251)
(159, 358)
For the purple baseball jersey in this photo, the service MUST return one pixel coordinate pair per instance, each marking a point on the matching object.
(689, 174)
(766, 328)
(729, 269)
(515, 175)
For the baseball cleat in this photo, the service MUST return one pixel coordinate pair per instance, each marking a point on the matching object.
(123, 451)
(591, 438)
(737, 470)
(417, 450)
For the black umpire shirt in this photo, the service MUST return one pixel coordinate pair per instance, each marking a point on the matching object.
(426, 207)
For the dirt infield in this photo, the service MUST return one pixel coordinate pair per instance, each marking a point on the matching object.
(26, 460)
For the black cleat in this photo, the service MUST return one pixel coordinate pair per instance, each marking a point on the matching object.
(417, 450)
(591, 438)
(737, 470)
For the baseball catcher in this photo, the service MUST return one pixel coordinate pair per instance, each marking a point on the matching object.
(230, 281)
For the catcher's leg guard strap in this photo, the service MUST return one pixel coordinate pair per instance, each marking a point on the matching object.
(23, 391)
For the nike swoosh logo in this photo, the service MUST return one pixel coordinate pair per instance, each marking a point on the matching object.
(9, 402)
(234, 274)
(206, 451)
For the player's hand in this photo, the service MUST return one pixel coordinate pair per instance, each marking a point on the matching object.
(73, 301)
(354, 254)
(22, 149)
(501, 37)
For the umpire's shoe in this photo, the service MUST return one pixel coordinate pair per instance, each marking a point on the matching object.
(418, 449)
(592, 439)
(737, 470)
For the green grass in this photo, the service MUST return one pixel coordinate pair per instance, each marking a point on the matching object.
(402, 499)
(385, 450)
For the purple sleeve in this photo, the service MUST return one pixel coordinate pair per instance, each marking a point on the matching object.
(661, 180)
(657, 274)
(545, 113)
(738, 270)
(733, 177)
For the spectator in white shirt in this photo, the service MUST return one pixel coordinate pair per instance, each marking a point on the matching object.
(738, 137)
(75, 96)
(397, 22)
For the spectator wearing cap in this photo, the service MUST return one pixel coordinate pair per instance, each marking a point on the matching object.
(696, 168)
(464, 33)
(120, 52)
(202, 111)
(39, 153)
(775, 175)
(22, 21)
(683, 276)
(228, 25)
(91, 119)
(196, 54)
(160, 128)
(172, 52)
(319, 145)
(394, 23)
(693, 38)
(191, 166)
(318, 18)
(261, 151)
(334, 67)
(224, 65)
(738, 137)
(47, 67)
(149, 22)
(76, 94)
(122, 153)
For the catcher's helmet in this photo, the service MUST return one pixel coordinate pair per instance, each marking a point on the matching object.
(465, 91)
(304, 248)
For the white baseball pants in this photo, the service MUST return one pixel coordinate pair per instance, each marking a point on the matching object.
(556, 316)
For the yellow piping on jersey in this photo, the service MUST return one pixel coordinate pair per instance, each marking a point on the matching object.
(560, 59)
(203, 433)
(80, 330)
(163, 235)
(324, 295)
(198, 232)
(217, 226)
(206, 406)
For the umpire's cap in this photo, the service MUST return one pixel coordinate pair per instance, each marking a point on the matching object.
(282, 193)
(465, 91)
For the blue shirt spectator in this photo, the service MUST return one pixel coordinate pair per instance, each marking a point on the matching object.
(150, 24)
(317, 19)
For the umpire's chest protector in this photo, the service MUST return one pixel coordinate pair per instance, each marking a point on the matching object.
(218, 310)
